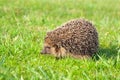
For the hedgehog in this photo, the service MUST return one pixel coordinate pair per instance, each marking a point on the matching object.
(77, 38)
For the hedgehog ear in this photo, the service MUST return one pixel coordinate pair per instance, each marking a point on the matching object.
(56, 47)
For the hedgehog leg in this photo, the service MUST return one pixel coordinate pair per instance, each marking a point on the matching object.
(61, 53)
(55, 52)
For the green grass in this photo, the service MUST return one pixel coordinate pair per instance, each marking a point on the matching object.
(23, 26)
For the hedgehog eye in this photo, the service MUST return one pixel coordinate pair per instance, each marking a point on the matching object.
(48, 47)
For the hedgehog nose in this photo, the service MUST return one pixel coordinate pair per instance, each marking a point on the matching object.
(42, 52)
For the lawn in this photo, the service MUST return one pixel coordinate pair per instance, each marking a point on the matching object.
(23, 26)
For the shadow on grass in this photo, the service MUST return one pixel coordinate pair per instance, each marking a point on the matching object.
(107, 53)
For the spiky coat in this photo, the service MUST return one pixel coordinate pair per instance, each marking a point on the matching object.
(77, 36)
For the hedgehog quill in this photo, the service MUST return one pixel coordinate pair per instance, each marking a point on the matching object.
(77, 38)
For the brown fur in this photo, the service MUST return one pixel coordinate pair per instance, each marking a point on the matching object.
(77, 38)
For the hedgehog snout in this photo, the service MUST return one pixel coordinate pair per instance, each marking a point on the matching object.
(46, 50)
(43, 52)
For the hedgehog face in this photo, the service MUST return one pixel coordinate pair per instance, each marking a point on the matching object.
(54, 49)
(47, 46)
(46, 50)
